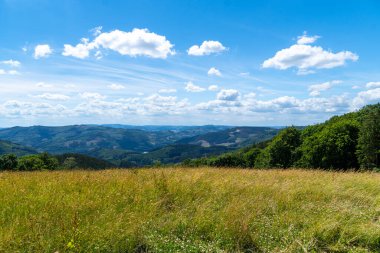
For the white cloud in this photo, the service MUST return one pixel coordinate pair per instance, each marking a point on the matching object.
(355, 87)
(214, 72)
(167, 91)
(116, 86)
(315, 90)
(306, 58)
(53, 96)
(228, 95)
(42, 51)
(12, 63)
(2, 72)
(92, 96)
(304, 39)
(81, 50)
(244, 74)
(366, 97)
(250, 95)
(190, 87)
(96, 30)
(372, 85)
(16, 109)
(207, 48)
(213, 88)
(138, 42)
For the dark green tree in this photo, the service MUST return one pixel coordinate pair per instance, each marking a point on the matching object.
(333, 147)
(282, 148)
(8, 162)
(368, 149)
(30, 163)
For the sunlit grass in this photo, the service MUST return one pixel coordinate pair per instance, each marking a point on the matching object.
(190, 210)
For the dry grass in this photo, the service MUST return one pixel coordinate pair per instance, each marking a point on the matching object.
(190, 210)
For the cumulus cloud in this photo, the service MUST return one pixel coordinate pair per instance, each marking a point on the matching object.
(53, 96)
(306, 57)
(213, 88)
(214, 72)
(190, 87)
(372, 85)
(207, 48)
(315, 90)
(12, 63)
(81, 50)
(366, 97)
(15, 109)
(138, 42)
(115, 86)
(42, 51)
(228, 95)
(167, 91)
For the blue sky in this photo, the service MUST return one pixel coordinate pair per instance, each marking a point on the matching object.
(186, 62)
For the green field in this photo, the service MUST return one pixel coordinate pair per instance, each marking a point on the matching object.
(189, 210)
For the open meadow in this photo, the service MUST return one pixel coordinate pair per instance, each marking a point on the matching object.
(189, 210)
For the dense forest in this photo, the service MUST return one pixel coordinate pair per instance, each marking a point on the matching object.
(350, 141)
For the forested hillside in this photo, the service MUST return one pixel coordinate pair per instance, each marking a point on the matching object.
(350, 141)
(7, 147)
(125, 145)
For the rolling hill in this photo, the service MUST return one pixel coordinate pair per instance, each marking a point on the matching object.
(7, 147)
(134, 145)
(233, 138)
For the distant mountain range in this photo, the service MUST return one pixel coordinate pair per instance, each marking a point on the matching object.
(125, 145)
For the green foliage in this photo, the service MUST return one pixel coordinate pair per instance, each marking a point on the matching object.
(334, 146)
(369, 139)
(282, 149)
(30, 163)
(8, 162)
(42, 161)
(250, 156)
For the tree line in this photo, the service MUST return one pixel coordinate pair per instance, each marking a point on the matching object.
(45, 161)
(350, 141)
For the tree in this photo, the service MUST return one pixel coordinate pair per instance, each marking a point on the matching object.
(281, 151)
(333, 147)
(250, 157)
(30, 163)
(42, 161)
(368, 149)
(70, 163)
(8, 162)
